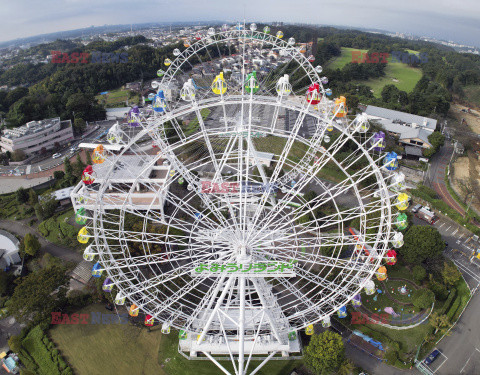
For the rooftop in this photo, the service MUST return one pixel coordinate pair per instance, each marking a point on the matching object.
(402, 118)
(33, 127)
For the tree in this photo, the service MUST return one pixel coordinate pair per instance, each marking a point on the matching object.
(419, 273)
(437, 140)
(67, 167)
(58, 175)
(421, 243)
(15, 343)
(48, 206)
(325, 353)
(450, 274)
(39, 212)
(439, 322)
(78, 167)
(346, 368)
(3, 282)
(440, 290)
(32, 197)
(89, 158)
(423, 298)
(38, 294)
(18, 155)
(79, 126)
(30, 244)
(21, 195)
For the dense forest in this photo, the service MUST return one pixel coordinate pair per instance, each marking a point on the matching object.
(61, 89)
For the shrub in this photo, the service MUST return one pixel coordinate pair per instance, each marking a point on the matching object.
(453, 309)
(423, 298)
(438, 289)
(419, 273)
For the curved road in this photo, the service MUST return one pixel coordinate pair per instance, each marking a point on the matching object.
(20, 228)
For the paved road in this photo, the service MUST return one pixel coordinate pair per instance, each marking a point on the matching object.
(64, 253)
(436, 174)
(461, 350)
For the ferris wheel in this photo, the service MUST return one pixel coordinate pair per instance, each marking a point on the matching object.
(246, 206)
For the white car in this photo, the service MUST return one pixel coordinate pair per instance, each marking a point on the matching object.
(56, 156)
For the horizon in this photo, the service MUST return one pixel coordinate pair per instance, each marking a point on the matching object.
(407, 18)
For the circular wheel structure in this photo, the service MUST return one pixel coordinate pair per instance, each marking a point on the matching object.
(245, 205)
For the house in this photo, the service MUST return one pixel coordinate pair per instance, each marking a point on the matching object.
(411, 130)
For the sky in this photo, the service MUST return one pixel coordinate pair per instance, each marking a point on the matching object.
(443, 19)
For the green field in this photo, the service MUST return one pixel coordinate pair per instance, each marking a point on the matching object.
(345, 58)
(401, 75)
(108, 349)
(116, 98)
(115, 349)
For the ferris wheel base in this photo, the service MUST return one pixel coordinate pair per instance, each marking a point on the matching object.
(265, 347)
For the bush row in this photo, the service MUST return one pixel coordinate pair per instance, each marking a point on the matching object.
(47, 360)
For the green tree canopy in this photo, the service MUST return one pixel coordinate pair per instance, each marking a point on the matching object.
(421, 242)
(419, 273)
(450, 274)
(21, 195)
(38, 294)
(30, 244)
(15, 343)
(325, 353)
(423, 298)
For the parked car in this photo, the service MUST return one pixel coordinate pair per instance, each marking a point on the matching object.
(56, 156)
(416, 208)
(432, 357)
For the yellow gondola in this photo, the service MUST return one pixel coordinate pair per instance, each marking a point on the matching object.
(167, 62)
(309, 330)
(83, 235)
(219, 86)
(402, 202)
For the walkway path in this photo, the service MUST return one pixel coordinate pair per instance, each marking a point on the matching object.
(20, 228)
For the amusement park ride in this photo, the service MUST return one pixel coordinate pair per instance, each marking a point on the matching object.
(240, 268)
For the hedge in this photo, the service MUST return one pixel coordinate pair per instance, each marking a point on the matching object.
(42, 351)
(448, 301)
(453, 309)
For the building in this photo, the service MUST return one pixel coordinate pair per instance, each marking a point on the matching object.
(36, 136)
(411, 130)
(9, 250)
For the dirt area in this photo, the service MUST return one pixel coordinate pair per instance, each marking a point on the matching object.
(464, 168)
(472, 118)
(461, 168)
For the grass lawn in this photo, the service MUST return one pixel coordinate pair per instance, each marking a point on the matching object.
(401, 75)
(114, 349)
(193, 125)
(275, 145)
(344, 58)
(108, 349)
(116, 98)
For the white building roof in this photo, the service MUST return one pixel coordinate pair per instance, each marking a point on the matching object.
(404, 117)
